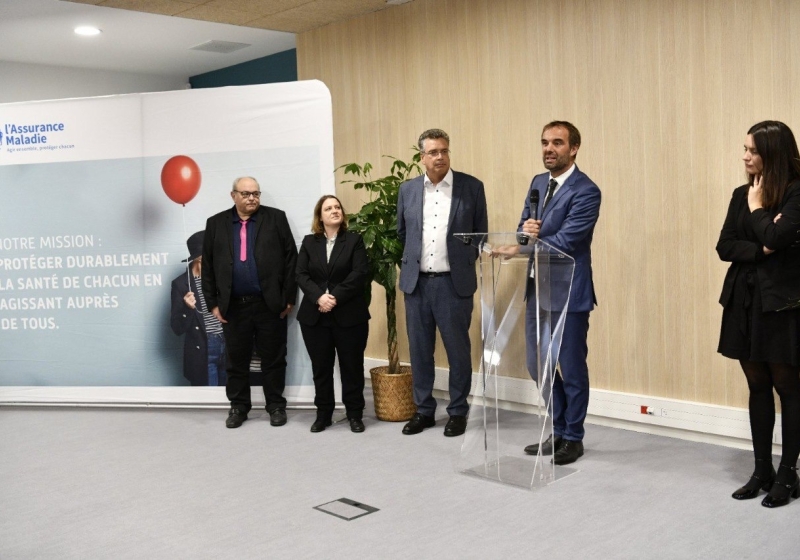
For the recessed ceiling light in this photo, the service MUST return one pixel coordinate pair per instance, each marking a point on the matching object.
(87, 30)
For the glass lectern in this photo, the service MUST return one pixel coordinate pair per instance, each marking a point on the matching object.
(524, 286)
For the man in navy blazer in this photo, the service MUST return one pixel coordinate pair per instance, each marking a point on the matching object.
(437, 276)
(568, 210)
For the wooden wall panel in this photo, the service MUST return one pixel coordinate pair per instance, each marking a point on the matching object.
(663, 93)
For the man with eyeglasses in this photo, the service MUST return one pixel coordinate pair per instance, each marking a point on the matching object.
(249, 257)
(437, 276)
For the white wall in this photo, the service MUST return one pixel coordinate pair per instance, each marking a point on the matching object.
(31, 82)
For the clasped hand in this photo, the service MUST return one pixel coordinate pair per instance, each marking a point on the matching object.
(326, 303)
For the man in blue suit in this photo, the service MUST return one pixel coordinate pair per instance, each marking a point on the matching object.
(437, 276)
(569, 208)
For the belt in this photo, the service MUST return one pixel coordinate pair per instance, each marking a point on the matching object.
(246, 299)
(434, 274)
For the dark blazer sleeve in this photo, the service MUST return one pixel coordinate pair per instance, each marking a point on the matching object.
(311, 290)
(409, 232)
(730, 247)
(467, 215)
(527, 213)
(579, 222)
(290, 255)
(786, 231)
(401, 220)
(481, 211)
(353, 284)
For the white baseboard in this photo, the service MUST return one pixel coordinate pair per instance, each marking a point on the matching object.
(300, 396)
(720, 425)
(708, 423)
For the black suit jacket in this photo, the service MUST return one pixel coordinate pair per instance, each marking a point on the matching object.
(275, 253)
(778, 272)
(344, 276)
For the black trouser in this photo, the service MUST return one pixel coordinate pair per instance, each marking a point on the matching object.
(251, 323)
(323, 344)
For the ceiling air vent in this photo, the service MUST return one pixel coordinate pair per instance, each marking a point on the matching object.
(222, 47)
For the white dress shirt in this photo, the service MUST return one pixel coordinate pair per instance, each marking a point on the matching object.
(435, 215)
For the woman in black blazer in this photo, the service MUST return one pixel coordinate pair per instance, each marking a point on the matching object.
(332, 270)
(761, 300)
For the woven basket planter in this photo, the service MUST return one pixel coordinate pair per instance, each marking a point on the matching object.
(392, 393)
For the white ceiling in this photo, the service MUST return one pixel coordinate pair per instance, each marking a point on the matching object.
(41, 32)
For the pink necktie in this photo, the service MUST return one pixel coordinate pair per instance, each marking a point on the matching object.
(243, 240)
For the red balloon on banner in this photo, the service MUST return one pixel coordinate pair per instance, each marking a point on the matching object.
(180, 179)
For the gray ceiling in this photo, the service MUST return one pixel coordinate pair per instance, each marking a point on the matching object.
(41, 31)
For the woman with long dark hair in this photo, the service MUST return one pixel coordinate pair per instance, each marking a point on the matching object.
(761, 300)
(332, 271)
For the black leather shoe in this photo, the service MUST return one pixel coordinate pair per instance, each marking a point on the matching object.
(758, 481)
(786, 484)
(455, 426)
(236, 418)
(418, 423)
(547, 446)
(319, 424)
(356, 425)
(568, 452)
(277, 417)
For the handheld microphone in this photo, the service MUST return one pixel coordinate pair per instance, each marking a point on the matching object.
(534, 206)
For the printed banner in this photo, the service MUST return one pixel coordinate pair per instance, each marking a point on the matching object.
(91, 235)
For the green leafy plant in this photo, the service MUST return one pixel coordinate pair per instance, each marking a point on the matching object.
(377, 224)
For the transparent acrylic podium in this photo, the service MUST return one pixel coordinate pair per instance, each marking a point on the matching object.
(521, 280)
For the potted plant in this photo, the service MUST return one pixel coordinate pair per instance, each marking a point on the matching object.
(376, 221)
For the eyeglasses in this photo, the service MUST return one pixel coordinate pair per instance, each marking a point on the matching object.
(246, 194)
(436, 153)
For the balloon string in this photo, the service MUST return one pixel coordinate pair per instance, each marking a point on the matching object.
(190, 261)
